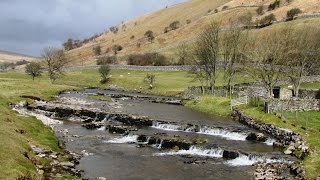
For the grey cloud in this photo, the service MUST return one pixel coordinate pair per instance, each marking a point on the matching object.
(28, 26)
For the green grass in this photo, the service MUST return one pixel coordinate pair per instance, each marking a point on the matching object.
(315, 85)
(12, 162)
(211, 105)
(295, 122)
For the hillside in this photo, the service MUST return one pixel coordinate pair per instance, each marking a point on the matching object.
(12, 57)
(193, 16)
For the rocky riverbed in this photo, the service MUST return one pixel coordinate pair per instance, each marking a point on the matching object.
(136, 136)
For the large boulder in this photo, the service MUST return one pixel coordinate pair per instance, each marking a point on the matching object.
(117, 129)
(256, 137)
(230, 154)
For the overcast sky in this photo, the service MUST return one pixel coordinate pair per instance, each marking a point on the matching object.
(27, 26)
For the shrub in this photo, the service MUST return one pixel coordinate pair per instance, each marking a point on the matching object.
(104, 70)
(114, 29)
(107, 60)
(225, 7)
(132, 37)
(149, 35)
(216, 10)
(188, 21)
(260, 10)
(209, 11)
(147, 59)
(34, 69)
(268, 20)
(116, 48)
(292, 13)
(150, 79)
(274, 5)
(166, 30)
(23, 62)
(174, 25)
(97, 50)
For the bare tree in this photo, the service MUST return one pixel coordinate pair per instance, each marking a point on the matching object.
(267, 56)
(207, 53)
(34, 69)
(183, 54)
(232, 49)
(55, 61)
(303, 56)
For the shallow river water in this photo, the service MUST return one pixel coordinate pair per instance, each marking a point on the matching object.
(117, 156)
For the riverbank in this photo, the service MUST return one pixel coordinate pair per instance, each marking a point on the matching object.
(307, 124)
(19, 133)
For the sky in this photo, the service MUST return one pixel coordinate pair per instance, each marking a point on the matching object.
(28, 26)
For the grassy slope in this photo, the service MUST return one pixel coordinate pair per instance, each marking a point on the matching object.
(194, 10)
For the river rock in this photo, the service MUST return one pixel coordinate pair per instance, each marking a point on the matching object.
(67, 164)
(256, 137)
(117, 129)
(230, 154)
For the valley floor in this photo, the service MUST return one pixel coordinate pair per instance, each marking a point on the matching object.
(14, 85)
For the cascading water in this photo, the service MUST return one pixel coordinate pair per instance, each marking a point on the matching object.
(223, 133)
(248, 160)
(195, 151)
(124, 140)
(203, 130)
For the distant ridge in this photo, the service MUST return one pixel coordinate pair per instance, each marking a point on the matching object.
(15, 54)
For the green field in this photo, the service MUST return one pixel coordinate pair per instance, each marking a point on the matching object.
(310, 85)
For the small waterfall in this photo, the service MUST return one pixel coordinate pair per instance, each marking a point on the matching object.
(223, 133)
(244, 160)
(195, 151)
(103, 128)
(270, 141)
(158, 146)
(147, 140)
(203, 130)
(124, 140)
(166, 127)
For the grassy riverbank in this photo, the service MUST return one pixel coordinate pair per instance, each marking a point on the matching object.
(211, 105)
(14, 144)
(305, 123)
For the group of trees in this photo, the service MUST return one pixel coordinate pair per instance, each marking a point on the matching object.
(287, 53)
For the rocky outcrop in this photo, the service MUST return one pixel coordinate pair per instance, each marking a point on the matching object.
(56, 167)
(164, 142)
(274, 171)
